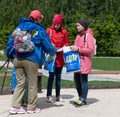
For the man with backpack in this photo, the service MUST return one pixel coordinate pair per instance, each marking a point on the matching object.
(27, 61)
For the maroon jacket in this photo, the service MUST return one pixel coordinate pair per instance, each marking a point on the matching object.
(59, 39)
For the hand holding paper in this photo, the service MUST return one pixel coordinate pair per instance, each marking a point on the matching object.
(60, 49)
(74, 48)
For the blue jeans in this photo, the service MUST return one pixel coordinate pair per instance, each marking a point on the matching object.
(81, 84)
(57, 74)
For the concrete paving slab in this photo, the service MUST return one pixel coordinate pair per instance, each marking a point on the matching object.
(101, 103)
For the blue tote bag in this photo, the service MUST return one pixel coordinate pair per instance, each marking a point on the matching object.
(49, 63)
(72, 60)
(14, 80)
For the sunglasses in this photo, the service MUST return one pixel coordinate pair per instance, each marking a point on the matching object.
(56, 25)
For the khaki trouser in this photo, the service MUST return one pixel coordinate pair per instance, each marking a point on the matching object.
(25, 69)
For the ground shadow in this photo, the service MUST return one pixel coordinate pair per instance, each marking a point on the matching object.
(43, 104)
(92, 101)
(66, 96)
(5, 91)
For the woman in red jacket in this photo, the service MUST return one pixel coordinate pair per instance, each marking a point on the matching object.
(59, 38)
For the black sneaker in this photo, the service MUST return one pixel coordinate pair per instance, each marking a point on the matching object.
(24, 103)
(79, 102)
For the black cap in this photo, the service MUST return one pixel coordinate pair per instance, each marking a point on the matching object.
(84, 23)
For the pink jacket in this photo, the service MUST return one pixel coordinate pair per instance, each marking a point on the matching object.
(85, 50)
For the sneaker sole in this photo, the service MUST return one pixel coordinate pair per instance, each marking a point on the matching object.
(31, 112)
(79, 105)
(13, 113)
(16, 111)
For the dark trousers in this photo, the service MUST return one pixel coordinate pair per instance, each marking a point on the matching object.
(57, 75)
(81, 84)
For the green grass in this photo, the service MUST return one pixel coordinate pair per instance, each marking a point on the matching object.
(7, 82)
(106, 63)
(4, 69)
(92, 84)
(104, 84)
(102, 63)
(64, 83)
(2, 58)
(70, 84)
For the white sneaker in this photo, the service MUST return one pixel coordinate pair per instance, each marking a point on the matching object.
(17, 110)
(59, 99)
(37, 110)
(49, 99)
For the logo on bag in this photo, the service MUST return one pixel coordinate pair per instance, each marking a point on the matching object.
(71, 58)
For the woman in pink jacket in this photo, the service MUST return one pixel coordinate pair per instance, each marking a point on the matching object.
(84, 44)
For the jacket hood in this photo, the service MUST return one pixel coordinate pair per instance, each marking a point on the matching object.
(26, 24)
(22, 20)
(89, 30)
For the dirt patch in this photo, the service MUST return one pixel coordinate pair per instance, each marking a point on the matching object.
(6, 90)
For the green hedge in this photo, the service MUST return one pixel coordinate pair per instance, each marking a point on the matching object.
(107, 34)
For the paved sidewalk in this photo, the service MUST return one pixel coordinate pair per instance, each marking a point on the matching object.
(91, 77)
(101, 103)
(69, 76)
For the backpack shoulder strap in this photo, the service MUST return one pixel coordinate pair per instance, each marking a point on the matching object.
(84, 37)
(50, 33)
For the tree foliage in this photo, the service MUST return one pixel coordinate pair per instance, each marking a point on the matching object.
(103, 16)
